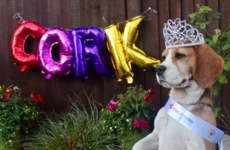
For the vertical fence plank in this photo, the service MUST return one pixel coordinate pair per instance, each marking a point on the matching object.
(150, 35)
(133, 10)
(224, 6)
(187, 8)
(163, 9)
(175, 9)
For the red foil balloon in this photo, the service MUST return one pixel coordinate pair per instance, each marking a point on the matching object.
(21, 33)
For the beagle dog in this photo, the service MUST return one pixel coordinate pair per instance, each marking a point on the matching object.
(189, 72)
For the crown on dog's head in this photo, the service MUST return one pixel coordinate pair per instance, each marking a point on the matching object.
(177, 34)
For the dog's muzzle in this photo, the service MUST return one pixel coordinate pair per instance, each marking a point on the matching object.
(160, 69)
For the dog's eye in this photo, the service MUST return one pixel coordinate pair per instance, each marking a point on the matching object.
(179, 55)
(163, 57)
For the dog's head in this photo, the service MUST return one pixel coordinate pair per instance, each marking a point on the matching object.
(182, 64)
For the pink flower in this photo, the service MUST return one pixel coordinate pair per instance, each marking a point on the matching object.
(130, 87)
(112, 104)
(110, 107)
(138, 95)
(136, 123)
(144, 124)
(155, 106)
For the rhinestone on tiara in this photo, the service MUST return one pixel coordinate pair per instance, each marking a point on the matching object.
(181, 34)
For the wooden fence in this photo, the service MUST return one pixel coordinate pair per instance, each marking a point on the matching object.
(71, 14)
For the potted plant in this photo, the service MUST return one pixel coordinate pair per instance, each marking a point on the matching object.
(17, 115)
(131, 113)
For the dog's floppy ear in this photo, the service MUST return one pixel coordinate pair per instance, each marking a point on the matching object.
(208, 66)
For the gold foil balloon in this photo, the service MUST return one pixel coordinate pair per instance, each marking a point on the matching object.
(119, 56)
(123, 49)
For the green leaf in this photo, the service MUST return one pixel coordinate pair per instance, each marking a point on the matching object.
(222, 79)
(225, 47)
(202, 25)
(216, 87)
(227, 66)
(216, 15)
(215, 37)
(136, 107)
(227, 57)
(216, 111)
(215, 93)
(193, 19)
(192, 15)
(208, 22)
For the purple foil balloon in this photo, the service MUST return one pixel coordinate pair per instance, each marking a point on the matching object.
(89, 43)
(50, 67)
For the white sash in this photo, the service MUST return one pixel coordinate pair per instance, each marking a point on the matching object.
(194, 123)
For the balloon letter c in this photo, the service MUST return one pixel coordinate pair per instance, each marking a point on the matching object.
(24, 30)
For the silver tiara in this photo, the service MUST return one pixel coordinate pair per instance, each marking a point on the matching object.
(178, 32)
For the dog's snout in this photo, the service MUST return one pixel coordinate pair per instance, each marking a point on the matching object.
(160, 69)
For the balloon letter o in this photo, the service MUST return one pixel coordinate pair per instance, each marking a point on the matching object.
(50, 67)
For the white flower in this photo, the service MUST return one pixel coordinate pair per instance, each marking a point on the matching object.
(10, 141)
(130, 128)
(102, 109)
(14, 133)
(122, 140)
(115, 127)
(15, 88)
(103, 128)
(27, 132)
(104, 121)
(33, 113)
(127, 120)
(111, 128)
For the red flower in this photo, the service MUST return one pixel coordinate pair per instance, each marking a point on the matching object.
(37, 98)
(144, 124)
(22, 93)
(136, 123)
(117, 98)
(41, 98)
(155, 106)
(7, 94)
(152, 91)
(148, 98)
(71, 143)
(110, 107)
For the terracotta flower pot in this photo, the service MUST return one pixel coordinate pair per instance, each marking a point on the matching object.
(16, 140)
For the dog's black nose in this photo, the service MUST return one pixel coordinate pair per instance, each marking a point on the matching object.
(160, 69)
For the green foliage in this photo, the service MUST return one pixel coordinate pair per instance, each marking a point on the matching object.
(76, 129)
(17, 113)
(119, 116)
(216, 110)
(220, 41)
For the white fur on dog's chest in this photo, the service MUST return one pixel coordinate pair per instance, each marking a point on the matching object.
(171, 132)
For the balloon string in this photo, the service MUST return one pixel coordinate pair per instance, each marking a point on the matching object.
(18, 16)
(150, 15)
